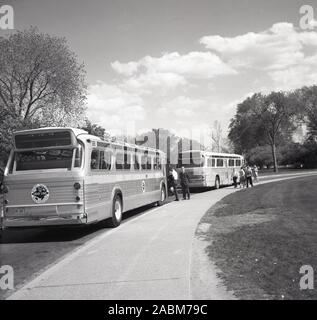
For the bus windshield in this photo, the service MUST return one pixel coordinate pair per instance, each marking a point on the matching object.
(58, 158)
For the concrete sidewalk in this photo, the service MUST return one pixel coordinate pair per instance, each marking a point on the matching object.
(148, 257)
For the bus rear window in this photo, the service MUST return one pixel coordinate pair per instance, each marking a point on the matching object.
(190, 159)
(43, 140)
(44, 159)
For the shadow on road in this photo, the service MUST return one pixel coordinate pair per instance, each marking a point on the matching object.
(62, 233)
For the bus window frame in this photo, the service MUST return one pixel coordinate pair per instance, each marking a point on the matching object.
(231, 166)
(11, 164)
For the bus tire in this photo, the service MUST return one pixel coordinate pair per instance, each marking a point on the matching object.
(163, 196)
(217, 183)
(116, 212)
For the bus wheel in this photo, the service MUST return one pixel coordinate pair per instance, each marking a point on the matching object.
(163, 196)
(217, 183)
(116, 216)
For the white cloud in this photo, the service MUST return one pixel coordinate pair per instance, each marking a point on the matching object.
(112, 107)
(181, 107)
(171, 69)
(303, 74)
(277, 48)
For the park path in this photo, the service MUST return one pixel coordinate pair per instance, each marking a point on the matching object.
(148, 257)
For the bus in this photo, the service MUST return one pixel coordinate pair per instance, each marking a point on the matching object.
(209, 169)
(65, 176)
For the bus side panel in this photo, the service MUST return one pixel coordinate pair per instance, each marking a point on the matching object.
(137, 191)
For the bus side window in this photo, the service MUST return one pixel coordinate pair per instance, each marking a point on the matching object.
(136, 162)
(157, 163)
(149, 163)
(231, 162)
(105, 160)
(238, 163)
(211, 162)
(119, 160)
(146, 162)
(78, 156)
(108, 160)
(94, 159)
(220, 163)
(127, 160)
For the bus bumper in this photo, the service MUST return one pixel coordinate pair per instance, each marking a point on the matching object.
(23, 222)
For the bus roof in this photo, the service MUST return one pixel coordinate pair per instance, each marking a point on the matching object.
(84, 135)
(210, 153)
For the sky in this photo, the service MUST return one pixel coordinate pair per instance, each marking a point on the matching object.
(178, 64)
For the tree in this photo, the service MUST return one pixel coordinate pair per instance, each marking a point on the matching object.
(261, 156)
(40, 78)
(263, 120)
(276, 115)
(245, 130)
(307, 100)
(95, 129)
(41, 82)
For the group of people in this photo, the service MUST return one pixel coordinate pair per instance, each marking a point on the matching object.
(246, 175)
(184, 182)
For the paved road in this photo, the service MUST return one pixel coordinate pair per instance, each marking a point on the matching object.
(148, 257)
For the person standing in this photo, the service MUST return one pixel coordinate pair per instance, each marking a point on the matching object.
(172, 183)
(248, 174)
(235, 176)
(255, 173)
(242, 178)
(184, 179)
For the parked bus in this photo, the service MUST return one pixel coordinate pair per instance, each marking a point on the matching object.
(64, 176)
(209, 169)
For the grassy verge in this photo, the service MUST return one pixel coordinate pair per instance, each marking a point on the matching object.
(260, 238)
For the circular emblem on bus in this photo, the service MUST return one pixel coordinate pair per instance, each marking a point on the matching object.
(40, 193)
(143, 186)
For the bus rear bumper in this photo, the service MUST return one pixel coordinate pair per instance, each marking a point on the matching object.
(24, 222)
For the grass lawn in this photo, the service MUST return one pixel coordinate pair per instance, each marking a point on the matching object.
(260, 237)
(270, 172)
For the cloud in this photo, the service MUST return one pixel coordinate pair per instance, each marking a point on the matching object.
(171, 69)
(277, 48)
(112, 107)
(181, 107)
(303, 74)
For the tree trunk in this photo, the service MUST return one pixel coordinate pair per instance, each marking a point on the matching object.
(274, 157)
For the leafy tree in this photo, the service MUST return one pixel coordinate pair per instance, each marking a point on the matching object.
(263, 120)
(40, 78)
(245, 129)
(261, 156)
(95, 130)
(276, 116)
(41, 84)
(307, 107)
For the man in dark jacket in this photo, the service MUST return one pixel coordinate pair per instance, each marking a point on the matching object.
(184, 178)
(172, 183)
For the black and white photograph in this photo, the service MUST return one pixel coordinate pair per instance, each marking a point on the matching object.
(162, 152)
